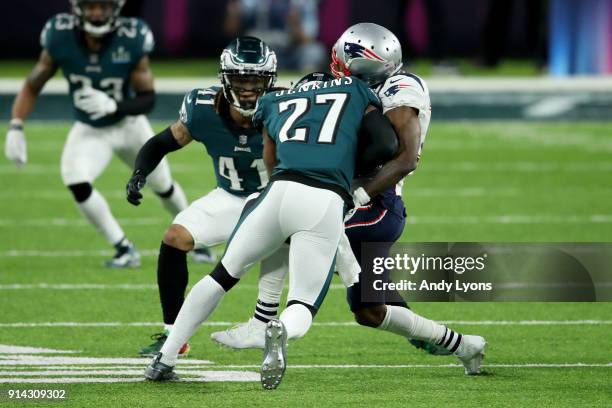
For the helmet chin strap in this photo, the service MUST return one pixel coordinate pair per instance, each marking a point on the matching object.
(241, 110)
(244, 112)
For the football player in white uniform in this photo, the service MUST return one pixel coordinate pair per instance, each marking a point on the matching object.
(105, 59)
(373, 54)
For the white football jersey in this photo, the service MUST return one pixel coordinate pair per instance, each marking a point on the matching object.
(405, 89)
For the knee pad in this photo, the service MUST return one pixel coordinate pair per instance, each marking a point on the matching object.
(81, 191)
(223, 278)
(313, 310)
(166, 194)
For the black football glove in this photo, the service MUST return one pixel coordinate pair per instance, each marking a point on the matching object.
(136, 183)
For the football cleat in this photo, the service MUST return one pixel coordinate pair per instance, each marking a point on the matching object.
(430, 348)
(126, 257)
(203, 255)
(158, 371)
(242, 336)
(274, 362)
(158, 341)
(471, 352)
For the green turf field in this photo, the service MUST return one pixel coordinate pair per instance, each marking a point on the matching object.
(476, 182)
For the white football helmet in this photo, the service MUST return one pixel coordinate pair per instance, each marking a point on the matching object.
(367, 51)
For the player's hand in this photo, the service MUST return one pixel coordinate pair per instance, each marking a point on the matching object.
(15, 145)
(96, 103)
(134, 185)
(361, 197)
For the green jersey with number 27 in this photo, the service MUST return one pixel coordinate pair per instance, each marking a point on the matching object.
(316, 126)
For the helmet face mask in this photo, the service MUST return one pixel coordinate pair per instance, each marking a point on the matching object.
(367, 51)
(248, 70)
(97, 17)
(246, 89)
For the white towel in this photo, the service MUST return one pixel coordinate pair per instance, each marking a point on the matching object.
(347, 266)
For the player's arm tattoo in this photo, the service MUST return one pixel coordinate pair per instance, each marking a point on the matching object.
(141, 78)
(269, 151)
(44, 69)
(405, 122)
(181, 133)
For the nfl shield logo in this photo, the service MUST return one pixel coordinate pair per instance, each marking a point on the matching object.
(242, 139)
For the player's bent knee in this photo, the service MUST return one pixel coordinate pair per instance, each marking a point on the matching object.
(166, 194)
(81, 191)
(178, 237)
(371, 317)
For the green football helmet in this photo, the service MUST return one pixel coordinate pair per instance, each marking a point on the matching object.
(97, 28)
(248, 70)
(313, 77)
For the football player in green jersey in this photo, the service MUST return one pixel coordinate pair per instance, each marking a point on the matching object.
(220, 119)
(311, 136)
(105, 59)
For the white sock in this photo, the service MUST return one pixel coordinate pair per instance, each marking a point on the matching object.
(201, 301)
(405, 322)
(297, 320)
(177, 201)
(97, 211)
(271, 281)
(272, 275)
(168, 328)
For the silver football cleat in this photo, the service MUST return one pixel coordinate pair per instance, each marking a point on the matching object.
(158, 371)
(126, 257)
(274, 362)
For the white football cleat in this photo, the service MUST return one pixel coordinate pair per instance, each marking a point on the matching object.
(203, 255)
(125, 257)
(471, 352)
(274, 361)
(242, 336)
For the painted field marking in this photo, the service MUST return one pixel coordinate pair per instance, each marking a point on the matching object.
(33, 360)
(323, 324)
(334, 286)
(392, 366)
(421, 219)
(459, 166)
(202, 376)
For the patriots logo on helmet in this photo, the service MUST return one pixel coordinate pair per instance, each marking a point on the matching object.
(395, 89)
(353, 50)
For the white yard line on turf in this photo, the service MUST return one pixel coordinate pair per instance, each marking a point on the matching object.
(134, 371)
(417, 192)
(202, 376)
(120, 286)
(68, 253)
(422, 219)
(367, 366)
(323, 324)
(458, 166)
(9, 349)
(33, 360)
(334, 286)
